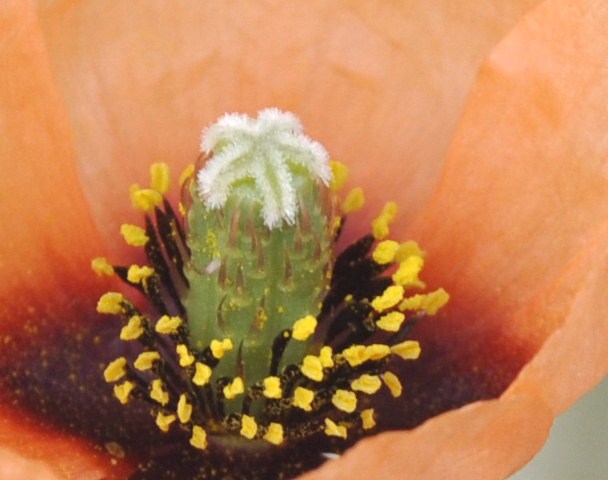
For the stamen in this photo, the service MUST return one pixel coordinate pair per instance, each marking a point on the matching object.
(134, 235)
(334, 430)
(101, 267)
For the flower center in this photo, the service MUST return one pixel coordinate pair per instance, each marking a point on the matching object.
(256, 328)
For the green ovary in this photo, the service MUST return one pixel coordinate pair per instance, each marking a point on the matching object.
(249, 282)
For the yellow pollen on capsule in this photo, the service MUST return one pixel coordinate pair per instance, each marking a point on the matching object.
(133, 329)
(145, 360)
(110, 303)
(115, 370)
(408, 271)
(369, 384)
(184, 409)
(186, 174)
(199, 438)
(235, 388)
(367, 419)
(302, 398)
(381, 224)
(385, 252)
(391, 322)
(160, 177)
(168, 325)
(101, 267)
(274, 434)
(389, 298)
(326, 357)
(408, 350)
(334, 430)
(392, 382)
(220, 347)
(249, 427)
(344, 400)
(158, 392)
(134, 235)
(163, 422)
(122, 391)
(202, 374)
(144, 199)
(340, 175)
(354, 201)
(136, 274)
(312, 368)
(304, 328)
(272, 387)
(185, 357)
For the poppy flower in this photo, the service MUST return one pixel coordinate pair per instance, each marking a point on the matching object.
(499, 174)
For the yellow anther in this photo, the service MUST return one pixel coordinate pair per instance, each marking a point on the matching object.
(392, 382)
(184, 409)
(340, 175)
(391, 322)
(123, 391)
(160, 177)
(302, 398)
(185, 357)
(101, 267)
(367, 419)
(164, 421)
(136, 274)
(304, 328)
(110, 303)
(134, 235)
(199, 438)
(334, 430)
(202, 374)
(377, 351)
(326, 357)
(389, 298)
(380, 225)
(158, 392)
(369, 384)
(355, 355)
(429, 302)
(168, 325)
(145, 360)
(312, 368)
(272, 387)
(408, 271)
(145, 199)
(354, 201)
(408, 350)
(220, 347)
(344, 400)
(274, 434)
(115, 370)
(407, 249)
(186, 174)
(385, 252)
(133, 329)
(235, 388)
(249, 427)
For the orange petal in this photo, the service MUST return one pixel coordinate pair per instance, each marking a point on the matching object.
(47, 241)
(381, 85)
(478, 441)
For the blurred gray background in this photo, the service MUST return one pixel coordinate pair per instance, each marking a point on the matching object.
(578, 446)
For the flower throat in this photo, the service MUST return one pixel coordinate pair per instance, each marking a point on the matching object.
(256, 331)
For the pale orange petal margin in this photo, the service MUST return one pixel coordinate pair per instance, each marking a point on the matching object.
(47, 239)
(381, 84)
(524, 202)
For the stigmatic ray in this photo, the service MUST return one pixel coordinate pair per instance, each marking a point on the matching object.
(257, 334)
